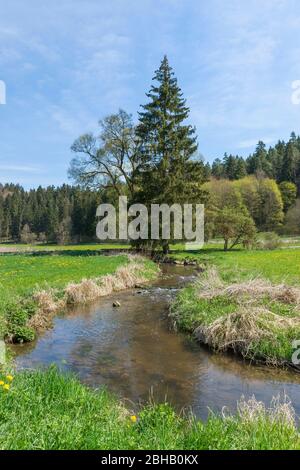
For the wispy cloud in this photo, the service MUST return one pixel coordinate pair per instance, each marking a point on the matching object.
(246, 144)
(83, 60)
(21, 169)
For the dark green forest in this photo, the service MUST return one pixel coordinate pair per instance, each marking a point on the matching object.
(60, 215)
(67, 213)
(280, 162)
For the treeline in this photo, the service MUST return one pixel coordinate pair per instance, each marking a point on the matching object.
(52, 214)
(256, 193)
(156, 161)
(153, 161)
(280, 162)
(235, 210)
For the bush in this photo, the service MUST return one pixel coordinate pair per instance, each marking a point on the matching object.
(27, 236)
(23, 334)
(17, 316)
(271, 241)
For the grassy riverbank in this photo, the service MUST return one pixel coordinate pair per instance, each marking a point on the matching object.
(282, 265)
(51, 411)
(33, 287)
(248, 302)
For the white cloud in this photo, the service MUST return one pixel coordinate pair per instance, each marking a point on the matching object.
(20, 168)
(245, 144)
(83, 60)
(65, 121)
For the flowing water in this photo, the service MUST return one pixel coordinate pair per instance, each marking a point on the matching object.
(134, 352)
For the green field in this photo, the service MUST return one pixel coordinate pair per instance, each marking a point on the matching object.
(20, 274)
(278, 265)
(45, 410)
(281, 265)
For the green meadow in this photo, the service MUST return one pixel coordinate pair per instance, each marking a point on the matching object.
(281, 265)
(22, 275)
(64, 414)
(245, 301)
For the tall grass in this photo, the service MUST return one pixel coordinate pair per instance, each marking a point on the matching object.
(254, 318)
(46, 410)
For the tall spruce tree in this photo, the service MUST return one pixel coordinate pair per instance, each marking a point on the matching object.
(291, 163)
(217, 169)
(258, 162)
(170, 172)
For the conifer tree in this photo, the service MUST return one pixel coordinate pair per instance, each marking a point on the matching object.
(169, 171)
(291, 163)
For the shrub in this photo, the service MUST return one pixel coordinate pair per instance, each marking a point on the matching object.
(23, 334)
(27, 236)
(17, 316)
(271, 241)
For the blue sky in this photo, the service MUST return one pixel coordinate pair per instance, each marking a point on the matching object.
(67, 63)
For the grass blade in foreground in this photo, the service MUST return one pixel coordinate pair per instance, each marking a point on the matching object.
(47, 410)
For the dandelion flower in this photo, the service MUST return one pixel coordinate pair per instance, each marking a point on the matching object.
(6, 386)
(133, 419)
(1, 382)
(10, 378)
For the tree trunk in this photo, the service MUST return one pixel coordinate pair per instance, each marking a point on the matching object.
(165, 247)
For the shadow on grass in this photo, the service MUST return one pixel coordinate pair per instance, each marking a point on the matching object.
(107, 251)
(204, 251)
(73, 253)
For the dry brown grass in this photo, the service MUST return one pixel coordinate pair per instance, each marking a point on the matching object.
(249, 321)
(48, 305)
(238, 331)
(258, 288)
(280, 412)
(45, 300)
(125, 277)
(86, 291)
(211, 285)
(83, 292)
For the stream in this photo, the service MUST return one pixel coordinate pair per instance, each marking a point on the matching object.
(133, 351)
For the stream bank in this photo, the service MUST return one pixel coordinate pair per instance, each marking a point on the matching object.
(134, 352)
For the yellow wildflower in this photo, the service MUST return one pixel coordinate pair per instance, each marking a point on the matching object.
(1, 382)
(133, 419)
(10, 378)
(6, 386)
